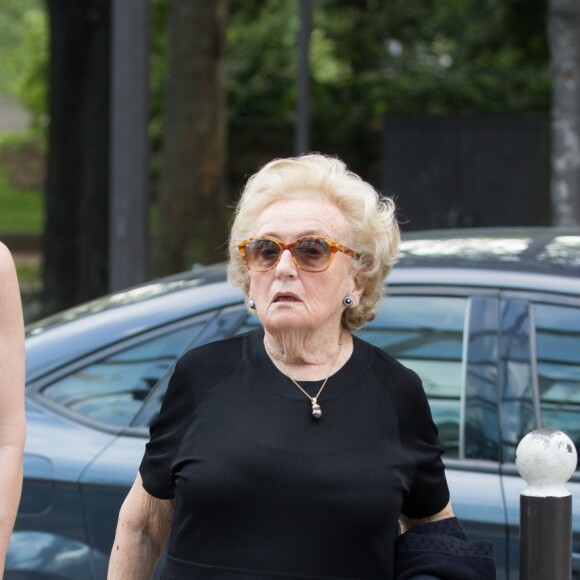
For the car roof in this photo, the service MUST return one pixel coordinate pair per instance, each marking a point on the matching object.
(540, 259)
(541, 250)
(543, 259)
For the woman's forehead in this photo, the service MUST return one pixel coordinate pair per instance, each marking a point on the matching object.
(301, 216)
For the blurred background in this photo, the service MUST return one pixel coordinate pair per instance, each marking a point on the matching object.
(128, 127)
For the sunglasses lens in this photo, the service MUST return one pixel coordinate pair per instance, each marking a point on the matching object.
(261, 255)
(312, 254)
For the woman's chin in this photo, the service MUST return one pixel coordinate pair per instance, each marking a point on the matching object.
(285, 320)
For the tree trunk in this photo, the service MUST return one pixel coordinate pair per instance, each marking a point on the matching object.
(192, 212)
(76, 216)
(564, 39)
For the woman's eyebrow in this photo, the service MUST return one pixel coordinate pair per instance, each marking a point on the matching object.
(303, 234)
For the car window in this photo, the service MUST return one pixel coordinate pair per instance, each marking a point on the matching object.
(112, 389)
(249, 324)
(425, 333)
(226, 323)
(558, 367)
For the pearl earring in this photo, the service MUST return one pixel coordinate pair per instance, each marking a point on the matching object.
(251, 303)
(348, 301)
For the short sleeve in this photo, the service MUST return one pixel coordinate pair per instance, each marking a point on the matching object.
(166, 433)
(429, 493)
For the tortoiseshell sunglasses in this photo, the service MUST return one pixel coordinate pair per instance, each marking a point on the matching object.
(310, 253)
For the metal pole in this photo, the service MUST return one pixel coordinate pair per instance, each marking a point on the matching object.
(546, 459)
(302, 143)
(128, 207)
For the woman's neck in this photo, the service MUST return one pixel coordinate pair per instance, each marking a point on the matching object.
(308, 356)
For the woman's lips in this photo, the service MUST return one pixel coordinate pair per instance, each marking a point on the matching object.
(285, 298)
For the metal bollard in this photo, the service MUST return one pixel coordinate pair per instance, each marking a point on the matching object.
(546, 459)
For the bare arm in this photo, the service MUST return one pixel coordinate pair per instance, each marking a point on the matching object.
(12, 418)
(408, 523)
(142, 529)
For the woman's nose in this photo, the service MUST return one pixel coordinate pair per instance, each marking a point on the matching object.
(286, 265)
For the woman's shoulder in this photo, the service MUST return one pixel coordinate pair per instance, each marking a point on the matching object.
(202, 367)
(220, 353)
(400, 384)
(385, 364)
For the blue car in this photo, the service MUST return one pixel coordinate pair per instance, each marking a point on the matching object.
(490, 319)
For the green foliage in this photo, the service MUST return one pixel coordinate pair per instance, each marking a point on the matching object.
(261, 76)
(24, 49)
(368, 58)
(29, 274)
(20, 211)
(371, 58)
(425, 57)
(157, 72)
(261, 61)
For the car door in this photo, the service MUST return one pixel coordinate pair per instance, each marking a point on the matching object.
(107, 479)
(540, 360)
(449, 336)
(67, 516)
(49, 540)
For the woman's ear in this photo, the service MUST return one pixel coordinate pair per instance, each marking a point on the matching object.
(358, 288)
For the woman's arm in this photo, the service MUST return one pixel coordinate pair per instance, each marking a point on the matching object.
(142, 529)
(12, 417)
(408, 523)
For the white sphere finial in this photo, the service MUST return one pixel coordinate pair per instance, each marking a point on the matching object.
(546, 459)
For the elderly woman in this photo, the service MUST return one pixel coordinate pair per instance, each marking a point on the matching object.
(12, 419)
(292, 451)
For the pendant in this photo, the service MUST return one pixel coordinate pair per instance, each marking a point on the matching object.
(316, 410)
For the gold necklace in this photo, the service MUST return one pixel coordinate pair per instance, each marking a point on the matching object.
(316, 410)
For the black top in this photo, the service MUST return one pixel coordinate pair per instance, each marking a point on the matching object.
(262, 490)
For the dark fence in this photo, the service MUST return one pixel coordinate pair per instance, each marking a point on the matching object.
(458, 172)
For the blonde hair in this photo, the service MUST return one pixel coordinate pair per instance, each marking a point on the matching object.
(374, 229)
